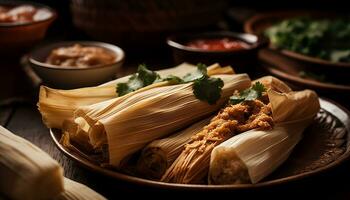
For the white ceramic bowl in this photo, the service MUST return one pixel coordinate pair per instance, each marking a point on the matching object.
(72, 77)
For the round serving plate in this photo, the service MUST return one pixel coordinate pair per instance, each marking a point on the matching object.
(325, 145)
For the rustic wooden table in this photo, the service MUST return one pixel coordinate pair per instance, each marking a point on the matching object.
(19, 114)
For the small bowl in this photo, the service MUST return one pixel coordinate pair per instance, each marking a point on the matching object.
(73, 77)
(16, 38)
(243, 60)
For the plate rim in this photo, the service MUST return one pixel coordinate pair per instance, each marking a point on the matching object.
(119, 176)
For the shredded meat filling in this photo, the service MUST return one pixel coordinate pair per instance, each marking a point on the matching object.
(234, 119)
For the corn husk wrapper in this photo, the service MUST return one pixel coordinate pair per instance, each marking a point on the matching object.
(26, 171)
(274, 84)
(128, 123)
(56, 105)
(157, 156)
(76, 191)
(253, 155)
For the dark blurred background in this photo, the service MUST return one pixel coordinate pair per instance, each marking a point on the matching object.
(131, 23)
(136, 21)
(140, 27)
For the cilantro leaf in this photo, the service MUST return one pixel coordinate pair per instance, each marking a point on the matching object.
(198, 74)
(147, 76)
(123, 89)
(249, 94)
(236, 99)
(259, 88)
(208, 89)
(142, 78)
(173, 80)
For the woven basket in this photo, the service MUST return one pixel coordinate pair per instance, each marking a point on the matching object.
(143, 21)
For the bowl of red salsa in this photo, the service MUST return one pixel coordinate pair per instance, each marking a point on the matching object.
(236, 49)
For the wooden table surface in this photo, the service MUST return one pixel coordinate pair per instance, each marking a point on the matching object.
(19, 114)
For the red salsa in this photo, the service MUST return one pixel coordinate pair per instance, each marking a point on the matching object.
(217, 44)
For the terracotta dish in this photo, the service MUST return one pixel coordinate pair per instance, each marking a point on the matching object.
(17, 37)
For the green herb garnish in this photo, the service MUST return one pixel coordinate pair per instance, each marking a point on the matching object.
(142, 78)
(249, 94)
(208, 89)
(173, 80)
(205, 88)
(198, 74)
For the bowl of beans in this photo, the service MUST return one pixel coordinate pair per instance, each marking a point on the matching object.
(74, 64)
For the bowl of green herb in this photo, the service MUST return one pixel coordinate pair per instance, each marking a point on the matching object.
(314, 42)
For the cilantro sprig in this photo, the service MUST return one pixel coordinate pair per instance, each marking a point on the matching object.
(249, 94)
(208, 89)
(205, 88)
(141, 79)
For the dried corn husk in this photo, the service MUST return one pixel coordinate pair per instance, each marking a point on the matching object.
(157, 156)
(128, 123)
(274, 84)
(26, 171)
(77, 191)
(56, 106)
(252, 155)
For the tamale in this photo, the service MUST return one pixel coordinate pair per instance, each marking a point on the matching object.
(157, 156)
(129, 122)
(253, 155)
(56, 105)
(26, 171)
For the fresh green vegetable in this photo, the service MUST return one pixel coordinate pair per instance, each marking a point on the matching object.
(205, 88)
(249, 94)
(323, 38)
(208, 89)
(198, 74)
(142, 78)
(173, 80)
